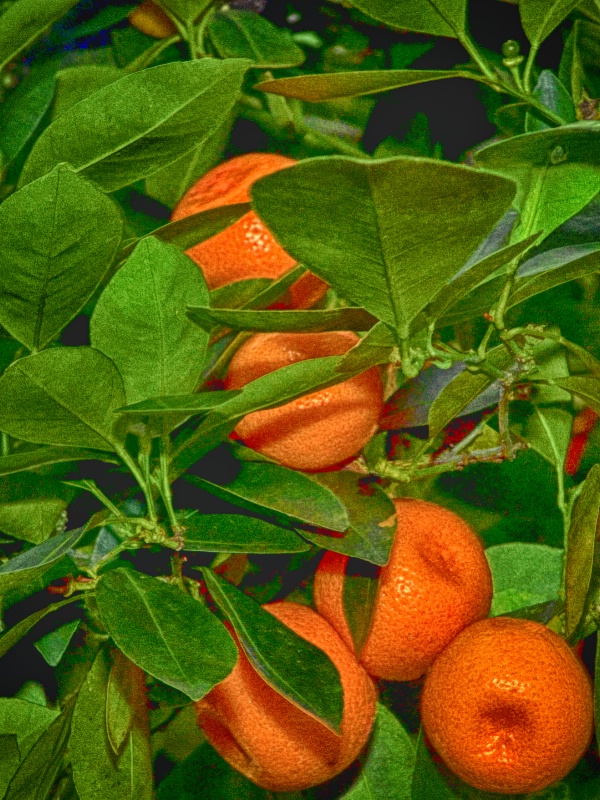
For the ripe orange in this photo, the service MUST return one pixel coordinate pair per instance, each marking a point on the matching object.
(436, 583)
(270, 740)
(245, 249)
(508, 706)
(152, 20)
(321, 429)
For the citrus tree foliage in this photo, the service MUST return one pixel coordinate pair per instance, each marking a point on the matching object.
(138, 540)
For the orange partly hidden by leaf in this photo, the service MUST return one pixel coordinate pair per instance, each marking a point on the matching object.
(272, 741)
(246, 249)
(152, 20)
(320, 430)
(436, 582)
(508, 706)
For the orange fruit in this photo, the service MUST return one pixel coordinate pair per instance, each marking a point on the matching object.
(321, 429)
(272, 741)
(508, 706)
(437, 582)
(152, 20)
(245, 249)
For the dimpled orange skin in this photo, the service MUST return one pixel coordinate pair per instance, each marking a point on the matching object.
(436, 582)
(245, 249)
(508, 706)
(273, 742)
(321, 429)
(152, 20)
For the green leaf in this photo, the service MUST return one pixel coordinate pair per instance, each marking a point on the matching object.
(463, 389)
(124, 699)
(549, 432)
(587, 388)
(27, 721)
(333, 86)
(144, 303)
(540, 17)
(360, 590)
(581, 539)
(32, 563)
(382, 232)
(374, 348)
(245, 34)
(552, 94)
(188, 403)
(22, 111)
(187, 11)
(294, 667)
(238, 533)
(183, 104)
(371, 514)
(189, 231)
(271, 489)
(170, 183)
(338, 319)
(59, 237)
(158, 628)
(32, 459)
(238, 293)
(9, 759)
(38, 770)
(32, 520)
(523, 574)
(556, 171)
(64, 396)
(438, 17)
(96, 771)
(76, 83)
(53, 645)
(388, 768)
(22, 628)
(427, 783)
(26, 21)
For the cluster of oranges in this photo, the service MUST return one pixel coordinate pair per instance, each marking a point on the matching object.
(505, 702)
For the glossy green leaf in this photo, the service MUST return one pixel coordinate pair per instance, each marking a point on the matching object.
(9, 759)
(96, 770)
(523, 574)
(38, 770)
(76, 83)
(144, 304)
(31, 519)
(271, 390)
(26, 21)
(187, 403)
(371, 514)
(438, 17)
(238, 293)
(549, 432)
(183, 103)
(238, 533)
(59, 237)
(588, 388)
(187, 11)
(382, 233)
(32, 459)
(551, 93)
(334, 85)
(297, 669)
(169, 184)
(557, 170)
(27, 721)
(339, 319)
(196, 228)
(32, 563)
(387, 771)
(158, 627)
(427, 783)
(125, 699)
(9, 639)
(581, 539)
(244, 34)
(22, 111)
(53, 645)
(271, 489)
(462, 390)
(540, 17)
(64, 396)
(361, 586)
(374, 348)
